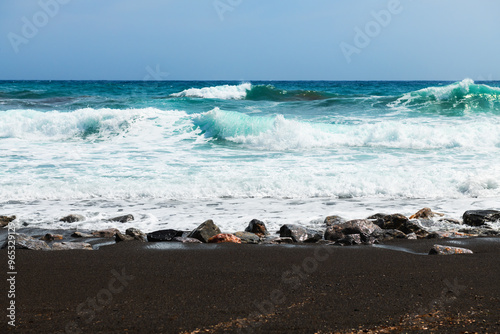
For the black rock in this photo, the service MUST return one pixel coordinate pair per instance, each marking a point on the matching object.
(122, 219)
(78, 234)
(299, 233)
(248, 237)
(334, 220)
(257, 227)
(136, 234)
(357, 226)
(394, 221)
(388, 234)
(119, 237)
(73, 218)
(350, 240)
(5, 220)
(480, 217)
(205, 231)
(164, 235)
(23, 241)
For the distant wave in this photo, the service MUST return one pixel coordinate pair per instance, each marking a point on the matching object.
(279, 133)
(248, 91)
(225, 92)
(454, 99)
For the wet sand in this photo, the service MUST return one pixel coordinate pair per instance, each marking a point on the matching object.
(154, 287)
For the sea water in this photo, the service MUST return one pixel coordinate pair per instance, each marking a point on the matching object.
(175, 154)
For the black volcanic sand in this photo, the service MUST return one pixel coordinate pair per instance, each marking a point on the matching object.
(259, 289)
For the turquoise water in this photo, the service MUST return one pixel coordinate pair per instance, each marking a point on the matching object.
(235, 150)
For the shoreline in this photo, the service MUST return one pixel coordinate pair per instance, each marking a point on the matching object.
(256, 289)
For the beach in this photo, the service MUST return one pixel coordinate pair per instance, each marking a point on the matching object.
(174, 288)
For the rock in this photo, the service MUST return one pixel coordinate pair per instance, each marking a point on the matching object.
(412, 226)
(411, 236)
(224, 237)
(5, 220)
(119, 237)
(449, 235)
(205, 231)
(122, 219)
(164, 235)
(73, 218)
(425, 213)
(389, 234)
(136, 234)
(248, 237)
(24, 241)
(357, 226)
(334, 220)
(350, 240)
(71, 246)
(479, 231)
(299, 233)
(81, 235)
(187, 240)
(480, 217)
(51, 237)
(257, 227)
(377, 216)
(107, 233)
(130, 235)
(394, 221)
(448, 250)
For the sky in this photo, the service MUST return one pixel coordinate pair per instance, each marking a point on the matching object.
(249, 40)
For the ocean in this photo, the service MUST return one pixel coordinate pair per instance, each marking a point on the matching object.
(176, 153)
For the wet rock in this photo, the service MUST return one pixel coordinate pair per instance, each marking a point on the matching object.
(164, 235)
(248, 237)
(357, 226)
(278, 240)
(73, 218)
(71, 246)
(136, 234)
(299, 233)
(257, 227)
(23, 241)
(107, 233)
(480, 217)
(350, 240)
(187, 240)
(119, 237)
(5, 220)
(384, 235)
(205, 231)
(425, 213)
(334, 220)
(51, 237)
(224, 237)
(449, 235)
(394, 221)
(411, 236)
(448, 250)
(78, 234)
(479, 231)
(413, 226)
(122, 219)
(377, 216)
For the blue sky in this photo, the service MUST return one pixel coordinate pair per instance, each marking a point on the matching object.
(250, 39)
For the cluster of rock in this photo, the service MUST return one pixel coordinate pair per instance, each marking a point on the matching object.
(337, 231)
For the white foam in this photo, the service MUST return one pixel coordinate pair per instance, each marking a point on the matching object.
(225, 92)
